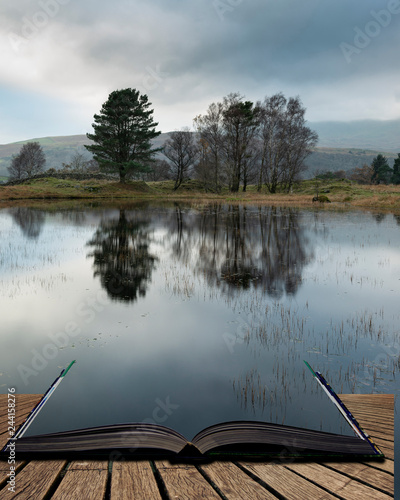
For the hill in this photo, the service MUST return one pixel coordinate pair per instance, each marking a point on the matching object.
(58, 150)
(333, 159)
(361, 134)
(342, 146)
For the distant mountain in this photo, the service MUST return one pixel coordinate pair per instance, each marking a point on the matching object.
(341, 146)
(360, 134)
(333, 159)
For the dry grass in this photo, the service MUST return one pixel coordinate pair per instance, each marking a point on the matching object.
(342, 194)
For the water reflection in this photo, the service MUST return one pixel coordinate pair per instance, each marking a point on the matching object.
(122, 258)
(379, 217)
(255, 291)
(241, 248)
(29, 220)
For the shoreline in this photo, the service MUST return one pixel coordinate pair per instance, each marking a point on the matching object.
(342, 194)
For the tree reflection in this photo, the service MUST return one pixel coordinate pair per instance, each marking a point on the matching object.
(379, 217)
(29, 220)
(238, 247)
(122, 258)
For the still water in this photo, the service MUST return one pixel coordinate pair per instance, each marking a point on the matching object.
(191, 315)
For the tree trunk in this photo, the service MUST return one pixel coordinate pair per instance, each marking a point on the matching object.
(122, 175)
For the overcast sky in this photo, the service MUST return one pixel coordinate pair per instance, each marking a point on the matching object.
(60, 59)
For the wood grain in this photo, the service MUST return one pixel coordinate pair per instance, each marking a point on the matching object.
(83, 479)
(34, 481)
(133, 481)
(184, 482)
(234, 483)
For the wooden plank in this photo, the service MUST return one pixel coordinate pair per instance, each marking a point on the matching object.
(24, 405)
(5, 466)
(361, 472)
(384, 400)
(133, 481)
(285, 482)
(5, 470)
(5, 436)
(375, 433)
(388, 451)
(384, 420)
(34, 481)
(234, 483)
(368, 407)
(21, 399)
(19, 419)
(386, 465)
(83, 479)
(370, 423)
(389, 443)
(340, 484)
(385, 438)
(374, 401)
(22, 409)
(21, 413)
(372, 398)
(184, 482)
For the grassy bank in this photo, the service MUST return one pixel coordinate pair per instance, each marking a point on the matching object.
(340, 193)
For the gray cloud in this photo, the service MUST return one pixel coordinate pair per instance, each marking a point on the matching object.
(187, 53)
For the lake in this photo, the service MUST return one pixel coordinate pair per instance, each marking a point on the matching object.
(188, 315)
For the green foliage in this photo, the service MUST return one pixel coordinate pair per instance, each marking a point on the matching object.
(123, 131)
(334, 159)
(329, 175)
(382, 173)
(396, 170)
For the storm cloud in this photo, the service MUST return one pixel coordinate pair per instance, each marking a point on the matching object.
(61, 58)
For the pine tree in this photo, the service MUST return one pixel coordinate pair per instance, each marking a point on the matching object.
(123, 131)
(382, 171)
(396, 170)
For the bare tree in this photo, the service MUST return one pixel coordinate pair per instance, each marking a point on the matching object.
(30, 161)
(271, 141)
(78, 162)
(299, 141)
(209, 127)
(286, 142)
(92, 166)
(206, 171)
(251, 163)
(181, 151)
(16, 170)
(159, 171)
(362, 175)
(240, 120)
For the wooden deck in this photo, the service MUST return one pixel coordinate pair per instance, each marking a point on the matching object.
(160, 480)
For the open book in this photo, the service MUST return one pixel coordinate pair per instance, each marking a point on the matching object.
(229, 439)
(226, 439)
